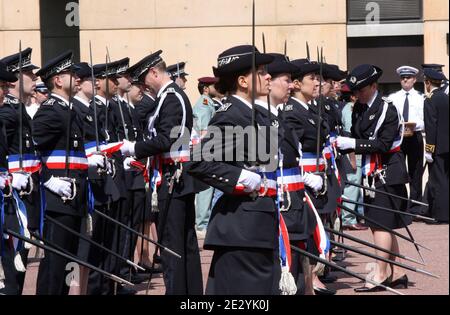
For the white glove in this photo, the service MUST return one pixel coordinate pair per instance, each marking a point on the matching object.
(20, 181)
(345, 143)
(313, 181)
(127, 148)
(58, 186)
(3, 181)
(250, 180)
(127, 163)
(429, 157)
(97, 161)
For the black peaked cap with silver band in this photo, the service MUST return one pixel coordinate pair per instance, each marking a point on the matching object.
(57, 65)
(12, 61)
(111, 69)
(138, 69)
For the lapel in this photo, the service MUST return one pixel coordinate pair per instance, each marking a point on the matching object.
(368, 120)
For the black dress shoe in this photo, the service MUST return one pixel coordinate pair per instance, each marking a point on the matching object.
(400, 283)
(377, 288)
(320, 291)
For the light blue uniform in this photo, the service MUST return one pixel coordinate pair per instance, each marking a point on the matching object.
(203, 111)
(351, 192)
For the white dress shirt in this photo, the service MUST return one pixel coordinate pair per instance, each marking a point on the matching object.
(416, 100)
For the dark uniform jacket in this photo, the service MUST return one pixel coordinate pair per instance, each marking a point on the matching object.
(144, 109)
(236, 221)
(9, 115)
(129, 124)
(50, 133)
(170, 116)
(436, 122)
(363, 127)
(103, 186)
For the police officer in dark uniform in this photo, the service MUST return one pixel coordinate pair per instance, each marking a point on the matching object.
(23, 160)
(376, 134)
(438, 67)
(5, 187)
(299, 218)
(106, 180)
(304, 121)
(436, 149)
(171, 120)
(243, 228)
(59, 138)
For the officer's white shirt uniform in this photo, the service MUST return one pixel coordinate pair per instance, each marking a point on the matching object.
(416, 100)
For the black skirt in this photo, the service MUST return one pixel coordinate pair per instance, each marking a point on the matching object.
(388, 219)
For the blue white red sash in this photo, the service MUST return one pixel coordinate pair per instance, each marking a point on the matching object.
(320, 237)
(107, 148)
(31, 163)
(309, 160)
(56, 160)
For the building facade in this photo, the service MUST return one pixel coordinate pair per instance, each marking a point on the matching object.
(384, 32)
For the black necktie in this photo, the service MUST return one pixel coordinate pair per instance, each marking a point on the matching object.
(406, 108)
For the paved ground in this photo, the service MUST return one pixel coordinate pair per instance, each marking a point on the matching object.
(436, 237)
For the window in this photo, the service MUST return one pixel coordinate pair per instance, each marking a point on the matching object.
(388, 11)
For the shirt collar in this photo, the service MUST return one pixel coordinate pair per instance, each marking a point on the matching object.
(161, 90)
(84, 102)
(101, 99)
(263, 104)
(373, 99)
(301, 103)
(61, 98)
(243, 101)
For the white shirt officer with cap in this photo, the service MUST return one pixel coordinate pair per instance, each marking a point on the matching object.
(408, 77)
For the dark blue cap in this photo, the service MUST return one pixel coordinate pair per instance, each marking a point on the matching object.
(138, 69)
(83, 71)
(111, 69)
(433, 74)
(280, 65)
(12, 61)
(304, 67)
(362, 76)
(238, 59)
(6, 76)
(57, 65)
(177, 70)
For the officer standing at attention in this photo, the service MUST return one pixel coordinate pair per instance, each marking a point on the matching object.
(59, 138)
(436, 149)
(409, 102)
(243, 229)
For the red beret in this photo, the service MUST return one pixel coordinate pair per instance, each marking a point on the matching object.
(208, 80)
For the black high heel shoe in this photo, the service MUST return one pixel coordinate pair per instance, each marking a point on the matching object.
(377, 288)
(400, 283)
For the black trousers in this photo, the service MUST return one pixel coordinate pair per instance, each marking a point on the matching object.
(52, 275)
(437, 194)
(132, 217)
(243, 271)
(412, 147)
(181, 276)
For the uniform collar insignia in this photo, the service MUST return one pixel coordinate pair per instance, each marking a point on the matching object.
(275, 123)
(372, 117)
(327, 107)
(89, 118)
(50, 101)
(312, 121)
(288, 108)
(224, 107)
